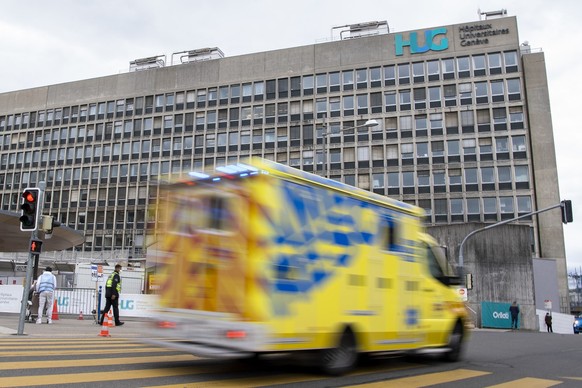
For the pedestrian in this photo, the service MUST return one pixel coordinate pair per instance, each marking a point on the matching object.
(45, 287)
(514, 311)
(112, 290)
(549, 323)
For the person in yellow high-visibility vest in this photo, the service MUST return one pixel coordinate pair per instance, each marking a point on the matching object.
(112, 290)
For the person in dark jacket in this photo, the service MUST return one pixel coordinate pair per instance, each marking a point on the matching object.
(514, 311)
(549, 323)
(112, 290)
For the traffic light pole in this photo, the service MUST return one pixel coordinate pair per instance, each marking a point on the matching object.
(29, 267)
(461, 256)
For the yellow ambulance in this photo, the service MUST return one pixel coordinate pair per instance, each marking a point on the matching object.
(262, 258)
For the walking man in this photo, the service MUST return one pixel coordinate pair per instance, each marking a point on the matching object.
(549, 323)
(514, 311)
(45, 287)
(112, 290)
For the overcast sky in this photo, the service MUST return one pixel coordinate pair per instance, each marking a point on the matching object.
(49, 42)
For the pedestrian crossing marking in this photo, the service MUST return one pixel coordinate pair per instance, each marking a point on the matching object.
(93, 361)
(527, 382)
(426, 380)
(40, 353)
(81, 346)
(96, 377)
(259, 381)
(169, 364)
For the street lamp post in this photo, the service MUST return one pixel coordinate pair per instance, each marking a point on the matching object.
(324, 135)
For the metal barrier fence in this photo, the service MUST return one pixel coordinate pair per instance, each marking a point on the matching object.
(76, 301)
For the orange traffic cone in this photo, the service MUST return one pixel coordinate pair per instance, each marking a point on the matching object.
(105, 328)
(80, 316)
(110, 319)
(55, 316)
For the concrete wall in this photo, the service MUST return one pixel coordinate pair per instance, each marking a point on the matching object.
(546, 283)
(543, 154)
(500, 260)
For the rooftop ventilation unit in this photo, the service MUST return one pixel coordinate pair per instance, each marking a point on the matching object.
(492, 14)
(360, 30)
(204, 54)
(147, 63)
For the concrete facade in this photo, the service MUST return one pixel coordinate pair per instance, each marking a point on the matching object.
(501, 263)
(464, 131)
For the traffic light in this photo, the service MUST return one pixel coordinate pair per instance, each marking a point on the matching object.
(35, 246)
(30, 209)
(566, 206)
(47, 224)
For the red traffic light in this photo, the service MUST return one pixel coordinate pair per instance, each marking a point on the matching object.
(30, 209)
(29, 196)
(35, 246)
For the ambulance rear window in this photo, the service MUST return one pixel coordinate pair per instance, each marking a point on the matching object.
(219, 217)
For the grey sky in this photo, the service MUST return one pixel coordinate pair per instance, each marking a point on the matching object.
(48, 42)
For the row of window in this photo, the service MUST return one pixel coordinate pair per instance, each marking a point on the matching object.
(344, 159)
(491, 207)
(347, 105)
(211, 143)
(406, 73)
(500, 117)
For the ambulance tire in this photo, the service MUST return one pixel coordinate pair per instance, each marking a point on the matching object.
(341, 359)
(455, 345)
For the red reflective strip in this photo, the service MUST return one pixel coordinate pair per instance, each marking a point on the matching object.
(236, 334)
(167, 325)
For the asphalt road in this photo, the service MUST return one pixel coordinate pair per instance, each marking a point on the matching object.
(71, 352)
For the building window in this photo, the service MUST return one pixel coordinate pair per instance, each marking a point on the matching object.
(390, 101)
(362, 78)
(389, 76)
(464, 67)
(437, 148)
(433, 68)
(516, 117)
(513, 89)
(489, 205)
(404, 74)
(510, 61)
(438, 178)
(518, 143)
(348, 80)
(308, 83)
(434, 96)
(479, 65)
(418, 72)
(378, 181)
(499, 119)
(506, 205)
(375, 77)
(521, 173)
(404, 100)
(524, 204)
(457, 206)
(473, 206)
(422, 150)
(448, 68)
(494, 61)
(423, 178)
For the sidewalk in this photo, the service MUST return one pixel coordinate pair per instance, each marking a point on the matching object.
(67, 327)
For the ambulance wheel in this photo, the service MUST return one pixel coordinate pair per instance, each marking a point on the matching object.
(341, 359)
(455, 344)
